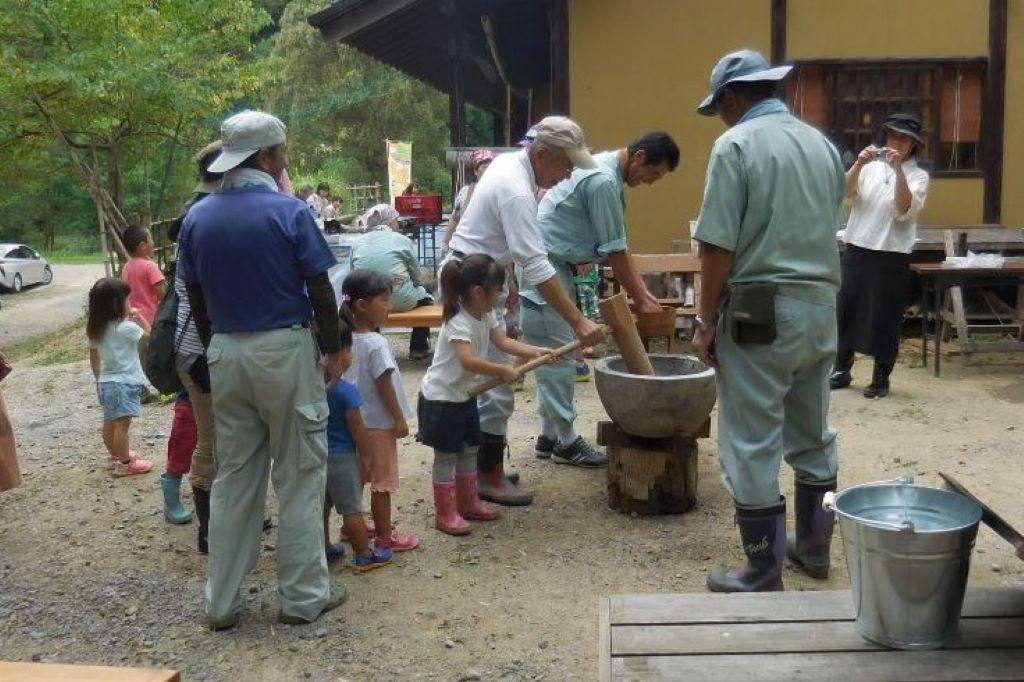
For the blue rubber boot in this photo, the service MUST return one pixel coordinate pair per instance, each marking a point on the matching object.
(174, 511)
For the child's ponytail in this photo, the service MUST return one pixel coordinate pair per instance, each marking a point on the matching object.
(459, 276)
(450, 280)
(362, 284)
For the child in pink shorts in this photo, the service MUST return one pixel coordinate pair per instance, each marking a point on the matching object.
(385, 408)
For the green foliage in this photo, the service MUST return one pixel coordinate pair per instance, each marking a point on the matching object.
(134, 83)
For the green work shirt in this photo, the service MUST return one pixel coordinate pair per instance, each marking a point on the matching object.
(393, 254)
(773, 198)
(583, 218)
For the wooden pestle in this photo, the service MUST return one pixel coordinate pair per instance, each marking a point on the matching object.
(617, 316)
(527, 367)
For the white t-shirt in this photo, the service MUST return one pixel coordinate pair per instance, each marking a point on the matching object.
(119, 354)
(446, 379)
(371, 357)
(501, 220)
(874, 223)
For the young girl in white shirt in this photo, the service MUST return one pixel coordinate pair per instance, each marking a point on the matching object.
(367, 294)
(118, 338)
(448, 418)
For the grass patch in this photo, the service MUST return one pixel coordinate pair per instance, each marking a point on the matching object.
(61, 347)
(67, 258)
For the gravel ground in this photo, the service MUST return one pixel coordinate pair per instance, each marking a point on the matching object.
(91, 573)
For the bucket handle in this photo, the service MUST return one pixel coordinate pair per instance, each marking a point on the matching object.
(828, 503)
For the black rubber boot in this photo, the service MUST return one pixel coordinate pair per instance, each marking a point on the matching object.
(201, 499)
(763, 534)
(809, 547)
(879, 387)
(494, 485)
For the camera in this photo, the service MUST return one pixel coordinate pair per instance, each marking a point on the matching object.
(880, 153)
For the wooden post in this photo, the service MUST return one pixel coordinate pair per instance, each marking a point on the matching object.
(649, 475)
(615, 313)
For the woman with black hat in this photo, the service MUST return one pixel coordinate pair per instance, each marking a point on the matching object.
(885, 190)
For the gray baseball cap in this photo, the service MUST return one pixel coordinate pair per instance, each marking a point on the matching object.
(742, 66)
(563, 133)
(243, 135)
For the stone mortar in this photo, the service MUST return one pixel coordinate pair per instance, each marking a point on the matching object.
(677, 399)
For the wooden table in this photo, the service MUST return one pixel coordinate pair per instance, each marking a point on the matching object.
(937, 278)
(793, 636)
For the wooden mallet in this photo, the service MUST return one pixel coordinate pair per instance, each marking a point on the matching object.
(616, 314)
(527, 367)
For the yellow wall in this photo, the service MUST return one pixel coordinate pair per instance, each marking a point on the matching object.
(954, 201)
(824, 29)
(886, 28)
(1013, 143)
(641, 66)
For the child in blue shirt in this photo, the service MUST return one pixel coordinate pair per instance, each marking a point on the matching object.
(346, 436)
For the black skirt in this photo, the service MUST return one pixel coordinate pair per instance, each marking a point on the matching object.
(872, 299)
(447, 426)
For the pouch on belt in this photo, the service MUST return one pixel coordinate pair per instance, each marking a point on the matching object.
(751, 312)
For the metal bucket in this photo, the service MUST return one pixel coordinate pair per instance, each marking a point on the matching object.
(908, 548)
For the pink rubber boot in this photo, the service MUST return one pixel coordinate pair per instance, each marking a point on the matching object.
(467, 496)
(446, 516)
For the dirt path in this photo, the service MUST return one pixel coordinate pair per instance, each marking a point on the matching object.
(90, 572)
(40, 310)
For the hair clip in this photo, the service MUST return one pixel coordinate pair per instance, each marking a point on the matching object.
(345, 298)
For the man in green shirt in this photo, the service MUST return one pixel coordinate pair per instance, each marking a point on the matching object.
(769, 275)
(582, 220)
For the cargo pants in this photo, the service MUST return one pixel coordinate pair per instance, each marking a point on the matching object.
(773, 402)
(269, 406)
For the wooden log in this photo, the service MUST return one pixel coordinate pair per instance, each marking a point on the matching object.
(649, 476)
(615, 313)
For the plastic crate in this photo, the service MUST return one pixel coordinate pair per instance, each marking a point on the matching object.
(426, 207)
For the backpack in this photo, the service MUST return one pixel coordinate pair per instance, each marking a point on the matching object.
(161, 359)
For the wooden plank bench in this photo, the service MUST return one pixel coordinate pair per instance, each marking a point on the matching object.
(792, 636)
(425, 316)
(45, 672)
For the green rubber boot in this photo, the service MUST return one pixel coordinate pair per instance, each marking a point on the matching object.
(174, 511)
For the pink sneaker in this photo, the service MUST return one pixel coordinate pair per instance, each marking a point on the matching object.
(398, 543)
(111, 462)
(132, 467)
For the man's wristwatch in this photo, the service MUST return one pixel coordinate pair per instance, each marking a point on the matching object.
(702, 324)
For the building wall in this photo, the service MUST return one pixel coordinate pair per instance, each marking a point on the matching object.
(641, 66)
(622, 84)
(1013, 142)
(886, 28)
(905, 29)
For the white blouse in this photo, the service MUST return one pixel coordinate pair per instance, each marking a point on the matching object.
(874, 222)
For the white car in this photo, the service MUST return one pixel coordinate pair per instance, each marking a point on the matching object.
(20, 267)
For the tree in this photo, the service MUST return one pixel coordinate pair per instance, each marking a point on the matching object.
(103, 78)
(341, 105)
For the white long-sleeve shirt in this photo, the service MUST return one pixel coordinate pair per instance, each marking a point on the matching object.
(501, 220)
(874, 222)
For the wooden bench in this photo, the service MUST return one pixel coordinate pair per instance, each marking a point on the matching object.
(45, 672)
(792, 636)
(425, 316)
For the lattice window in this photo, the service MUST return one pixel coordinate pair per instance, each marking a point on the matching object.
(850, 100)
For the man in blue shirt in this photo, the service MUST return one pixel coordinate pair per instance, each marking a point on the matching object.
(769, 276)
(582, 220)
(255, 269)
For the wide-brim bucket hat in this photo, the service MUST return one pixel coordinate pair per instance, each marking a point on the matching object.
(905, 124)
(742, 66)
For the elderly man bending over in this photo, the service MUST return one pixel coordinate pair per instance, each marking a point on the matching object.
(501, 221)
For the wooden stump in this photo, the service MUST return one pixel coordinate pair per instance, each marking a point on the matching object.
(649, 475)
